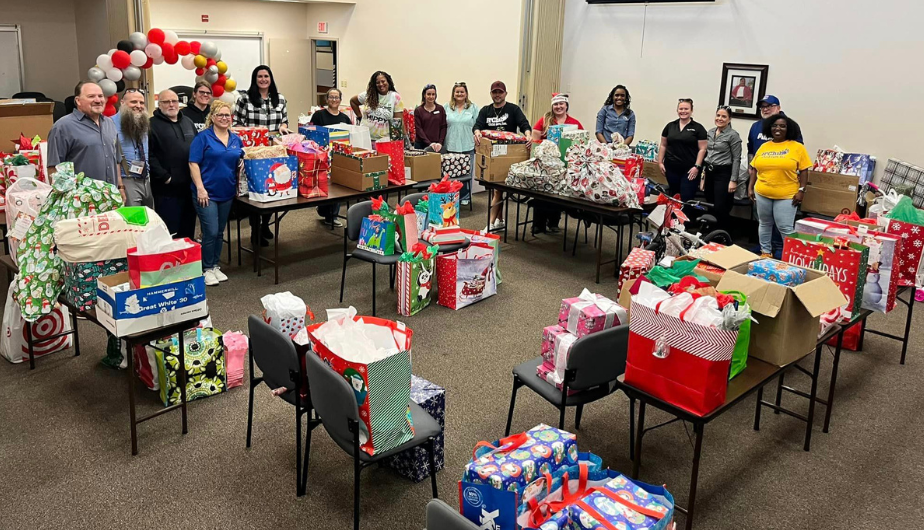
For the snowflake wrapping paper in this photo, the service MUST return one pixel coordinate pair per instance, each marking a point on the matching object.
(909, 256)
(413, 464)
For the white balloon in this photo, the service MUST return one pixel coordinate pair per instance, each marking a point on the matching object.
(104, 61)
(170, 37)
(159, 60)
(139, 40)
(208, 49)
(132, 73)
(138, 57)
(114, 74)
(217, 56)
(228, 97)
(212, 69)
(109, 87)
(211, 77)
(95, 74)
(110, 52)
(187, 62)
(153, 51)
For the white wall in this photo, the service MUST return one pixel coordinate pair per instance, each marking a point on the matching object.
(49, 42)
(417, 42)
(849, 74)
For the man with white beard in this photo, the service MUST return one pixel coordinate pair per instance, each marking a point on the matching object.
(133, 124)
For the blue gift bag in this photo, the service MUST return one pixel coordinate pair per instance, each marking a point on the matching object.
(272, 179)
(316, 133)
(443, 209)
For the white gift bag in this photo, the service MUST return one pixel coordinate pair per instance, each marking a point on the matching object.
(24, 199)
(13, 345)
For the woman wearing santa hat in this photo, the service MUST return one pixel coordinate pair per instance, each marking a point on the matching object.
(546, 216)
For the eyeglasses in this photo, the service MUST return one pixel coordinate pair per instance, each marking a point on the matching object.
(333, 97)
(203, 92)
(685, 100)
(131, 90)
(461, 83)
(223, 116)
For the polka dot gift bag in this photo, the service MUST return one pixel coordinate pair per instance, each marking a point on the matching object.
(285, 312)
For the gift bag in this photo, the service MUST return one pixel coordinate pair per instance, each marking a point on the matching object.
(409, 126)
(415, 279)
(844, 262)
(623, 504)
(312, 173)
(204, 362)
(415, 463)
(271, 179)
(443, 202)
(422, 211)
(24, 200)
(455, 165)
(374, 356)
(493, 241)
(359, 136)
(285, 312)
(739, 359)
(146, 367)
(466, 276)
(395, 151)
(104, 236)
(13, 344)
(316, 133)
(406, 225)
(236, 344)
(377, 235)
(905, 221)
(147, 268)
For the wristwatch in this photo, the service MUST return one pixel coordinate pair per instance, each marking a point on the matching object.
(802, 189)
(699, 167)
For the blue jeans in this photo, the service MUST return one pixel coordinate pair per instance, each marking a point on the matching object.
(774, 212)
(212, 220)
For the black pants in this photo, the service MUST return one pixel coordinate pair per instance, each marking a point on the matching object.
(255, 224)
(678, 182)
(545, 214)
(716, 190)
(178, 213)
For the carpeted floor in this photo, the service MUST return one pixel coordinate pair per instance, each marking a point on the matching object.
(65, 457)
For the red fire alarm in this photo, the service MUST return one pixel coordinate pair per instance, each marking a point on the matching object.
(205, 18)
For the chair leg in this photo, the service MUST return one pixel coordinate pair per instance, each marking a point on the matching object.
(250, 412)
(307, 456)
(577, 416)
(431, 449)
(373, 289)
(513, 401)
(561, 417)
(343, 277)
(298, 453)
(631, 428)
(391, 275)
(356, 471)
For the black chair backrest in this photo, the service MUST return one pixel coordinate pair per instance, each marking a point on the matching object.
(273, 352)
(59, 111)
(355, 216)
(441, 517)
(38, 96)
(413, 198)
(599, 358)
(69, 105)
(333, 400)
(184, 93)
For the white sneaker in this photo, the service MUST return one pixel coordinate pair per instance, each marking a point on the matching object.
(499, 224)
(220, 276)
(210, 278)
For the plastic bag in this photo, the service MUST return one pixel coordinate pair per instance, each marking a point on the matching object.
(906, 212)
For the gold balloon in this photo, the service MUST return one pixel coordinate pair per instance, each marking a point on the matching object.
(230, 84)
(222, 67)
(200, 61)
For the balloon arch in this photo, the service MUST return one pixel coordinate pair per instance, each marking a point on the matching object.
(139, 52)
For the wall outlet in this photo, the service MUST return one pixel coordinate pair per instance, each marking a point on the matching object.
(343, 83)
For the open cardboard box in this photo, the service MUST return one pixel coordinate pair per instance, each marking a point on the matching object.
(787, 317)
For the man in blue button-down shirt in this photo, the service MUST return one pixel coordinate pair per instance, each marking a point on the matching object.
(133, 124)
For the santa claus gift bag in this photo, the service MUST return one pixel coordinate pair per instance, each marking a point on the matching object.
(466, 276)
(844, 262)
(415, 279)
(271, 179)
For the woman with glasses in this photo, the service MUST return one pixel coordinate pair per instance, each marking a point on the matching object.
(461, 114)
(683, 148)
(616, 117)
(378, 105)
(198, 109)
(722, 165)
(331, 115)
(778, 176)
(430, 121)
(215, 157)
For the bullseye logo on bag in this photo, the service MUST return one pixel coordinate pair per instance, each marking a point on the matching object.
(473, 496)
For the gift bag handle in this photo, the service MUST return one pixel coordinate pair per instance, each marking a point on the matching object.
(513, 441)
(541, 512)
(612, 496)
(682, 313)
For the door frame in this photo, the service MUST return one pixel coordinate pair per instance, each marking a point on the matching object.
(314, 69)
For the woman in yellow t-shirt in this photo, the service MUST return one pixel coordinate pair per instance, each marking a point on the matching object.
(779, 173)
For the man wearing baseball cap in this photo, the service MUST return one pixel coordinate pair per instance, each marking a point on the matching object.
(499, 116)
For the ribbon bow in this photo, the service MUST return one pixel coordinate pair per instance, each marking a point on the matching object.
(379, 205)
(445, 186)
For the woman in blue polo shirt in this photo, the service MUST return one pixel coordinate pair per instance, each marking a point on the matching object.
(214, 159)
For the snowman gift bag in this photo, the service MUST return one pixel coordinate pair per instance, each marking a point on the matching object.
(272, 179)
(415, 279)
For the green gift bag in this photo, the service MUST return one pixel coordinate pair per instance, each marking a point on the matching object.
(415, 279)
(740, 354)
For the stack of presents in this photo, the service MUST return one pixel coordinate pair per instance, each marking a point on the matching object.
(415, 232)
(538, 480)
(835, 180)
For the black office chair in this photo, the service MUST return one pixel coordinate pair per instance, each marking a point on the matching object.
(355, 216)
(37, 96)
(274, 353)
(69, 105)
(183, 93)
(59, 111)
(335, 402)
(442, 249)
(594, 363)
(441, 517)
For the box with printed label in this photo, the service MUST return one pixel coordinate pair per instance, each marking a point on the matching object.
(493, 160)
(830, 193)
(125, 311)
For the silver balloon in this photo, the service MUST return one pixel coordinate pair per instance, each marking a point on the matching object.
(208, 49)
(131, 73)
(114, 74)
(95, 74)
(212, 69)
(109, 87)
(138, 40)
(211, 77)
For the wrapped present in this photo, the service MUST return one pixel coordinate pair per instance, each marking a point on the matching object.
(647, 150)
(204, 360)
(80, 280)
(855, 164)
(554, 133)
(316, 133)
(549, 336)
(106, 235)
(377, 235)
(556, 346)
(505, 137)
(443, 199)
(543, 172)
(352, 151)
(622, 504)
(638, 262)
(272, 179)
(414, 464)
(415, 279)
(443, 235)
(828, 161)
(592, 176)
(252, 136)
(455, 165)
(466, 276)
(395, 151)
(776, 272)
(409, 126)
(571, 138)
(589, 313)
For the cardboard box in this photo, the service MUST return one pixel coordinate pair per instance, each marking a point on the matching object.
(830, 193)
(787, 317)
(138, 310)
(493, 161)
(426, 167)
(651, 171)
(359, 181)
(372, 164)
(24, 116)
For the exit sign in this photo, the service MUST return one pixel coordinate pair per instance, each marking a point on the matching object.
(205, 18)
(322, 27)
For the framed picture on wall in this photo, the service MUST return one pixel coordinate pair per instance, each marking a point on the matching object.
(743, 86)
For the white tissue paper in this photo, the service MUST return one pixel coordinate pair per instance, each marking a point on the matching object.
(703, 310)
(157, 240)
(284, 305)
(356, 340)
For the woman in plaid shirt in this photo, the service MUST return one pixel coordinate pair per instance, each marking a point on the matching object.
(262, 106)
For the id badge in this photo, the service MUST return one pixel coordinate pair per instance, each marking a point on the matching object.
(136, 167)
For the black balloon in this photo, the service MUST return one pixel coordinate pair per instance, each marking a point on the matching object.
(120, 85)
(125, 45)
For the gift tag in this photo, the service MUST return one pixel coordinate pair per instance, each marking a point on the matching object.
(498, 150)
(21, 226)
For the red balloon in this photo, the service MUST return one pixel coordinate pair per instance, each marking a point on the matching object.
(156, 36)
(217, 90)
(194, 47)
(109, 111)
(113, 99)
(181, 47)
(200, 71)
(221, 80)
(167, 49)
(172, 58)
(147, 64)
(121, 59)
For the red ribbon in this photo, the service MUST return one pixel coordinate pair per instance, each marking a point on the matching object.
(843, 218)
(446, 186)
(405, 209)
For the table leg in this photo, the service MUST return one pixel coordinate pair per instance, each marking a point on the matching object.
(229, 244)
(257, 244)
(564, 239)
(239, 243)
(760, 399)
(505, 206)
(76, 333)
(908, 323)
(779, 394)
(639, 433)
(694, 475)
(276, 248)
(599, 237)
(28, 327)
(833, 383)
(130, 372)
(490, 193)
(181, 352)
(813, 394)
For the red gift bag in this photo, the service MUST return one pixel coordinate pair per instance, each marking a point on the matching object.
(148, 270)
(684, 364)
(909, 256)
(844, 262)
(312, 173)
(409, 126)
(395, 151)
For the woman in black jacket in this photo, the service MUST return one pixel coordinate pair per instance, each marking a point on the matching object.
(171, 136)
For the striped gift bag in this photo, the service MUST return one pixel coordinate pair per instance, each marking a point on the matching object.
(683, 363)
